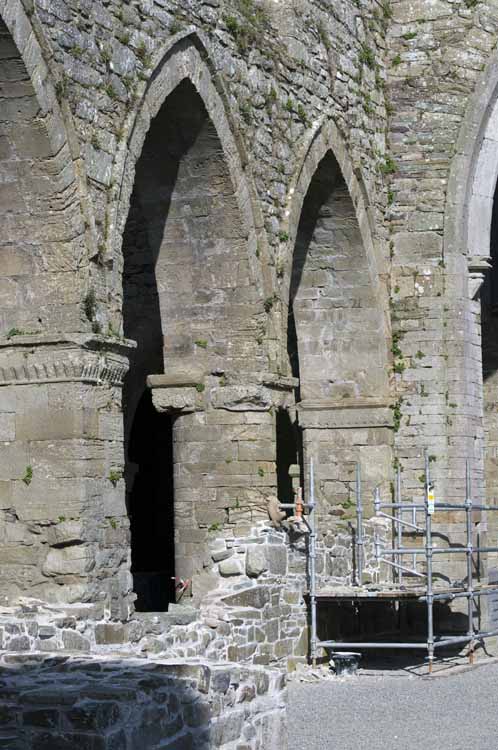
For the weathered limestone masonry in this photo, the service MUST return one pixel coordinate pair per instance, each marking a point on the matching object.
(442, 92)
(253, 118)
(236, 235)
(191, 200)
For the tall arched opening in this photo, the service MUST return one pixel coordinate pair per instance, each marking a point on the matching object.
(336, 335)
(489, 344)
(187, 290)
(337, 348)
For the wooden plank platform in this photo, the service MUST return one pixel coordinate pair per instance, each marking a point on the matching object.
(386, 592)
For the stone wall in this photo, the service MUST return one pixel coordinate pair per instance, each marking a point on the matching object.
(58, 702)
(286, 206)
(441, 183)
(63, 524)
(202, 224)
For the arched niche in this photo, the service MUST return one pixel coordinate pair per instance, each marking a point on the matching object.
(336, 334)
(337, 330)
(42, 241)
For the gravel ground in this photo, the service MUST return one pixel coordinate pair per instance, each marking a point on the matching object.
(454, 712)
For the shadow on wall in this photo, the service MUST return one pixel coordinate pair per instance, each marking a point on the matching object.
(62, 703)
(489, 343)
(489, 305)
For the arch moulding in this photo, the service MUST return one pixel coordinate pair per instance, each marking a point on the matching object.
(35, 53)
(325, 137)
(186, 56)
(472, 180)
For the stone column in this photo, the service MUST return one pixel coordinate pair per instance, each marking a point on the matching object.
(224, 464)
(63, 524)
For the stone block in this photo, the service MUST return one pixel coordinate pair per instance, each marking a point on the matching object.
(53, 424)
(5, 494)
(46, 631)
(49, 499)
(76, 560)
(110, 633)
(276, 556)
(93, 715)
(230, 567)
(68, 458)
(242, 398)
(175, 400)
(257, 450)
(42, 717)
(220, 680)
(218, 555)
(113, 500)
(7, 427)
(20, 554)
(73, 641)
(255, 597)
(227, 728)
(64, 533)
(256, 562)
(13, 460)
(19, 643)
(110, 426)
(199, 674)
(196, 714)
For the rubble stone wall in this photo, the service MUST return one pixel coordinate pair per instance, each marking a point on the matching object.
(72, 702)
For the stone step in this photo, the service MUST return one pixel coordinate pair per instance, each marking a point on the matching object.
(160, 622)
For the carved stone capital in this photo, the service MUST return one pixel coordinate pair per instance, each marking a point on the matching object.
(478, 267)
(37, 358)
(250, 397)
(177, 392)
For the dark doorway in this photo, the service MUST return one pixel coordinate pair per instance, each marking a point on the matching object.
(148, 434)
(150, 507)
(289, 452)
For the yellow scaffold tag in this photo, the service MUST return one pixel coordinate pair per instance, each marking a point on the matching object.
(431, 500)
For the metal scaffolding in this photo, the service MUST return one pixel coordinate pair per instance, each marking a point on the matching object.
(417, 518)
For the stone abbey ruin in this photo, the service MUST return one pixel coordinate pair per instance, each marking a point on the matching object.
(238, 237)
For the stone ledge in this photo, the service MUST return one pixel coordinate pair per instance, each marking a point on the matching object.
(249, 397)
(80, 340)
(333, 415)
(178, 379)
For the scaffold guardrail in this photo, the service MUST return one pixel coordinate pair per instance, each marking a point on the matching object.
(420, 515)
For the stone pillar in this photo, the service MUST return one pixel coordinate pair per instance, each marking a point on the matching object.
(63, 524)
(224, 464)
(337, 437)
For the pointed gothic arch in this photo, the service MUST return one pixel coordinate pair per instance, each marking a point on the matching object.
(327, 196)
(189, 300)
